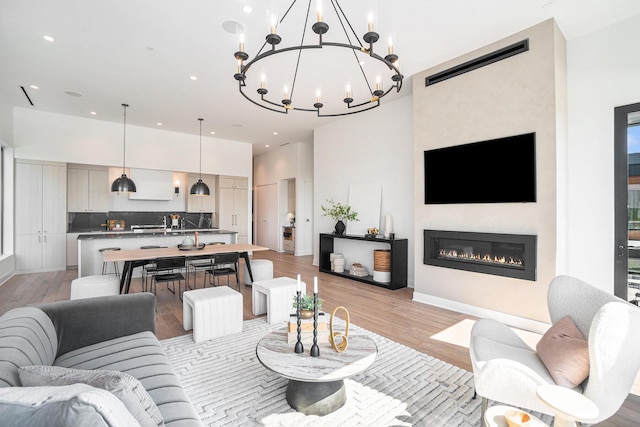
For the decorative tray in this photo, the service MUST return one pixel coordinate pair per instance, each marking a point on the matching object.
(191, 247)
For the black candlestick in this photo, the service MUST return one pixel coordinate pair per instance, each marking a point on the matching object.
(315, 350)
(298, 348)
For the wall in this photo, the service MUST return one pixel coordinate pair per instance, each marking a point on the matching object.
(510, 97)
(376, 146)
(279, 165)
(602, 74)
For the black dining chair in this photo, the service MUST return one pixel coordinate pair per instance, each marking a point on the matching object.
(169, 270)
(224, 264)
(197, 263)
(148, 267)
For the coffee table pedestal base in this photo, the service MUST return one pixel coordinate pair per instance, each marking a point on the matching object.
(316, 398)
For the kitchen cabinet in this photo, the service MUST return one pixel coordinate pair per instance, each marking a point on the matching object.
(202, 203)
(40, 220)
(233, 206)
(88, 190)
(72, 249)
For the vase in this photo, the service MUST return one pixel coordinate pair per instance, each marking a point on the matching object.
(339, 228)
(306, 314)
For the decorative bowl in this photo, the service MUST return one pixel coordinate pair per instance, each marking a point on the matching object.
(517, 418)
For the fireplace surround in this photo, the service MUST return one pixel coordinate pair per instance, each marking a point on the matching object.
(509, 255)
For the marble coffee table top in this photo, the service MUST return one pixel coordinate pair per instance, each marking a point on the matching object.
(277, 355)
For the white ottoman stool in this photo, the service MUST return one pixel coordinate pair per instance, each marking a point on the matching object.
(261, 269)
(94, 286)
(275, 297)
(212, 312)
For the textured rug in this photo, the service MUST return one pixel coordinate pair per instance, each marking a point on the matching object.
(228, 386)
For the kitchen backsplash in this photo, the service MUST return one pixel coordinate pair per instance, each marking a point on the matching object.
(81, 222)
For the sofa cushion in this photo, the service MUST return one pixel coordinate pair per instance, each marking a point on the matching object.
(565, 353)
(27, 337)
(141, 356)
(72, 405)
(125, 387)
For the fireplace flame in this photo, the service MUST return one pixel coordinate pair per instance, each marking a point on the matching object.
(486, 258)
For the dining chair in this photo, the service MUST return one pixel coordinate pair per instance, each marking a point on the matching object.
(196, 263)
(224, 264)
(149, 267)
(169, 270)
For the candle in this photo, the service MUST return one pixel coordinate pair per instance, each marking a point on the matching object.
(348, 91)
(299, 283)
(390, 48)
(286, 92)
(378, 83)
(370, 23)
(274, 22)
(241, 42)
(319, 10)
(262, 78)
(318, 96)
(315, 284)
(239, 65)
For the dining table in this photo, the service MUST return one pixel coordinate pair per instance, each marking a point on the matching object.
(133, 258)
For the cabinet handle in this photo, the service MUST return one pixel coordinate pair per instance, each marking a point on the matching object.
(45, 239)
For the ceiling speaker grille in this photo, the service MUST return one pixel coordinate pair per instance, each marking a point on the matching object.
(489, 58)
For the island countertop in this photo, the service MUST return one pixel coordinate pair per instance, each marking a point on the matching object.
(131, 234)
(89, 244)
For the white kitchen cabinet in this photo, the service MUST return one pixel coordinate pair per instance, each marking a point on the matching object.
(88, 190)
(41, 216)
(199, 204)
(233, 206)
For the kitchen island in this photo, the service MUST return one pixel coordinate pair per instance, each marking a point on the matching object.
(89, 245)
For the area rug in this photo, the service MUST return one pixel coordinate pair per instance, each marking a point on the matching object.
(228, 385)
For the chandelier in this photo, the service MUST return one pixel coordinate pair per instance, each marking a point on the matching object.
(355, 58)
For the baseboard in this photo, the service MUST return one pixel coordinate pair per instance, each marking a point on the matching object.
(508, 319)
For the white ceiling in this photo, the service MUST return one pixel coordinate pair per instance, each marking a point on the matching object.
(144, 52)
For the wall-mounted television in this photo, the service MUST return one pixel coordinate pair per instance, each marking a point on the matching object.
(500, 170)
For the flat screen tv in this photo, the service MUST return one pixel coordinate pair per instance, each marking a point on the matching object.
(500, 170)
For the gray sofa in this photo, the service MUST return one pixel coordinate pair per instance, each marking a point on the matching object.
(105, 333)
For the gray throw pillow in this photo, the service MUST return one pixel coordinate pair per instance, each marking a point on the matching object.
(64, 406)
(124, 386)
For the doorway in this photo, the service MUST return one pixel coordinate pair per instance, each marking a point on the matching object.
(627, 202)
(267, 216)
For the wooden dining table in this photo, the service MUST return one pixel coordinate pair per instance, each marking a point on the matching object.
(138, 257)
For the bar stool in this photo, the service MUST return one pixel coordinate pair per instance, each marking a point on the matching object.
(115, 263)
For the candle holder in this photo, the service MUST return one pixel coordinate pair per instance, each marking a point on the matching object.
(315, 350)
(299, 348)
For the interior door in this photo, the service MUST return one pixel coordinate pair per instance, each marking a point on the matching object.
(627, 202)
(267, 231)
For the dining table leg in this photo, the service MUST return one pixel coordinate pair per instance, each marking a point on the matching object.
(125, 278)
(245, 256)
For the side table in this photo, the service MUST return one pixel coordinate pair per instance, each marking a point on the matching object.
(494, 417)
(568, 405)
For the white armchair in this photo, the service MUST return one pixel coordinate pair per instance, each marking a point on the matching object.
(507, 370)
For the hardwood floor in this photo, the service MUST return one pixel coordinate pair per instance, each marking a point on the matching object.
(392, 314)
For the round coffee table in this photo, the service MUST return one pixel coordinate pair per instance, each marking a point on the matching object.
(316, 384)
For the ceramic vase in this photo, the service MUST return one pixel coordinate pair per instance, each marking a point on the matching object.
(339, 228)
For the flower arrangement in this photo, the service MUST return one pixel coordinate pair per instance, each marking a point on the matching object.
(339, 212)
(306, 302)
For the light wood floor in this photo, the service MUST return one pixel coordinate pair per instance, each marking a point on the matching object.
(392, 314)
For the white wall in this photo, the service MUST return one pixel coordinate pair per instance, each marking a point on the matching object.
(376, 146)
(40, 135)
(603, 73)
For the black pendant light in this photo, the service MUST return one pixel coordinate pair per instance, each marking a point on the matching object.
(200, 188)
(124, 184)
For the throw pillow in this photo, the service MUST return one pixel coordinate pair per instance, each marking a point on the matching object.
(565, 353)
(124, 386)
(72, 405)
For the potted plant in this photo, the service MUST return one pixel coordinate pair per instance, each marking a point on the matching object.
(306, 305)
(339, 213)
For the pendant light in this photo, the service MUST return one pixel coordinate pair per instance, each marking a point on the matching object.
(200, 188)
(124, 184)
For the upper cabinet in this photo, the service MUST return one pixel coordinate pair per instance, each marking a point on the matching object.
(87, 190)
(202, 203)
(233, 206)
(233, 182)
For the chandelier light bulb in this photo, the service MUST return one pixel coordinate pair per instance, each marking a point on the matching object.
(348, 91)
(262, 79)
(286, 92)
(390, 48)
(273, 24)
(370, 22)
(378, 83)
(319, 10)
(318, 95)
(241, 37)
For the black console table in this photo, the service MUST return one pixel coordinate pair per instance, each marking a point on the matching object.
(399, 259)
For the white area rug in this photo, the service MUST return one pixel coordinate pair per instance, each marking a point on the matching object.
(228, 386)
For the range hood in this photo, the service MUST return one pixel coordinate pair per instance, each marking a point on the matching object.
(152, 184)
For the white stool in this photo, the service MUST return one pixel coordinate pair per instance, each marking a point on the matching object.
(275, 297)
(94, 286)
(262, 269)
(212, 312)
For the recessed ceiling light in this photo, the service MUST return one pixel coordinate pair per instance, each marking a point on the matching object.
(48, 38)
(74, 94)
(194, 77)
(213, 133)
(34, 87)
(247, 9)
(159, 124)
(267, 146)
(232, 27)
(275, 133)
(93, 113)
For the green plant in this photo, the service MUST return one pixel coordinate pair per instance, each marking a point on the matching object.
(339, 212)
(306, 302)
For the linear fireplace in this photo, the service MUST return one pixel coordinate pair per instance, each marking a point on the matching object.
(510, 255)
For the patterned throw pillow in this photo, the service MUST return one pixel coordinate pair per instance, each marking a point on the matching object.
(125, 387)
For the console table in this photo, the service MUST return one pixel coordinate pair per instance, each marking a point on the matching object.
(399, 259)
